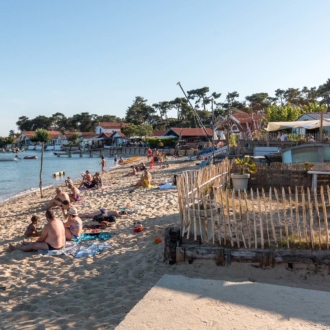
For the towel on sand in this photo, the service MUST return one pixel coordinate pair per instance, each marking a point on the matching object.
(79, 250)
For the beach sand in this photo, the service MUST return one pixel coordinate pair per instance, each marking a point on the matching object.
(61, 292)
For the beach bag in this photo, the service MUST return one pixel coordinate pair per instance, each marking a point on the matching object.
(102, 217)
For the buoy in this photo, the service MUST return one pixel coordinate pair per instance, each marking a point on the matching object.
(55, 174)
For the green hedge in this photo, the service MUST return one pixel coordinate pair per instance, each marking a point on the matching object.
(156, 143)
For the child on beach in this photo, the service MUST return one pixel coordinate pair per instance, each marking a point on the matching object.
(31, 230)
(68, 181)
(115, 159)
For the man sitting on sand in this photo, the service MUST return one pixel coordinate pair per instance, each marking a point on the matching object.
(52, 236)
(87, 178)
(75, 196)
(60, 197)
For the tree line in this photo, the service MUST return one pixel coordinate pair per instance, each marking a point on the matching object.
(284, 105)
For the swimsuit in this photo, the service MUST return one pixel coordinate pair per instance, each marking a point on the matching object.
(77, 198)
(50, 248)
(74, 227)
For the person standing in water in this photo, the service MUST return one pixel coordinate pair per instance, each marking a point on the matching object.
(103, 163)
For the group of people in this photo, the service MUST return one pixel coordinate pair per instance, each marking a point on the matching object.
(89, 181)
(156, 156)
(54, 234)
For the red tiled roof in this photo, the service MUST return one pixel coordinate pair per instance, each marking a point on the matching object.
(244, 117)
(159, 133)
(111, 125)
(53, 134)
(88, 135)
(191, 131)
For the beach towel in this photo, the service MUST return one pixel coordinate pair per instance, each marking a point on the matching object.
(79, 250)
(167, 186)
(102, 236)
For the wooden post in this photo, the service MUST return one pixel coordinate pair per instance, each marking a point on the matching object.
(228, 218)
(266, 218)
(311, 225)
(260, 218)
(279, 216)
(303, 203)
(271, 217)
(234, 218)
(325, 217)
(254, 221)
(247, 218)
(285, 219)
(297, 214)
(317, 216)
(241, 217)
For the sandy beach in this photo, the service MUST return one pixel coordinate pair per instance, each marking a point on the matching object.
(61, 292)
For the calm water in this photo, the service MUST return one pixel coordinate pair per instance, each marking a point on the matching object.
(22, 177)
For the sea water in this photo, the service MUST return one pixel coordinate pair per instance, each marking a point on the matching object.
(18, 178)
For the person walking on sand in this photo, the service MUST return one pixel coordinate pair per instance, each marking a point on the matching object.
(115, 159)
(103, 163)
(149, 154)
(52, 236)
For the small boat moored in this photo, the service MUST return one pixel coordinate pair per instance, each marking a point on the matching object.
(15, 159)
(30, 157)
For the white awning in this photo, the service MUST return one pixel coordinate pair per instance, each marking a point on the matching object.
(307, 124)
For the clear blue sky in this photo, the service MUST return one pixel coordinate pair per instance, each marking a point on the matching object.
(96, 56)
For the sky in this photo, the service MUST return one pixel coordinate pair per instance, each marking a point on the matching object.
(97, 56)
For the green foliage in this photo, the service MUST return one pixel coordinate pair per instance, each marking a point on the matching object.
(314, 107)
(139, 112)
(155, 142)
(74, 138)
(296, 137)
(246, 165)
(144, 130)
(6, 140)
(41, 135)
(130, 130)
(284, 113)
(233, 140)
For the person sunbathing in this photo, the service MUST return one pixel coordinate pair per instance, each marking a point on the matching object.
(52, 236)
(103, 211)
(60, 197)
(31, 229)
(75, 195)
(86, 178)
(145, 180)
(73, 227)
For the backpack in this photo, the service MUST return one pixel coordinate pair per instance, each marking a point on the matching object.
(102, 217)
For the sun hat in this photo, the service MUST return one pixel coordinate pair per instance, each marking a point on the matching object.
(72, 211)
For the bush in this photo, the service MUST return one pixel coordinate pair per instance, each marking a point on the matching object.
(156, 143)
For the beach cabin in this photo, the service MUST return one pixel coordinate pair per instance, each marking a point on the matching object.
(108, 127)
(312, 116)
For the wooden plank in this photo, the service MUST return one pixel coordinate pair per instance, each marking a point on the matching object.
(266, 218)
(316, 204)
(254, 221)
(247, 218)
(192, 182)
(328, 193)
(222, 216)
(311, 224)
(271, 217)
(285, 219)
(234, 218)
(260, 219)
(325, 216)
(278, 215)
(228, 218)
(186, 181)
(291, 212)
(241, 217)
(297, 215)
(303, 204)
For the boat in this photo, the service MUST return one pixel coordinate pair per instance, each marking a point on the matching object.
(30, 157)
(15, 159)
(313, 153)
(129, 160)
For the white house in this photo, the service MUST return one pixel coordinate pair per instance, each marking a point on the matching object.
(312, 116)
(105, 127)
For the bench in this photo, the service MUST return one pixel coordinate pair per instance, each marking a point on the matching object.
(314, 179)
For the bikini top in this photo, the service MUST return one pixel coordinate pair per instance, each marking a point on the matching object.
(75, 227)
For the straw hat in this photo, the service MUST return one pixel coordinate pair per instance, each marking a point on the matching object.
(72, 211)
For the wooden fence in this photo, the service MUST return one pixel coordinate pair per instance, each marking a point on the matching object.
(272, 218)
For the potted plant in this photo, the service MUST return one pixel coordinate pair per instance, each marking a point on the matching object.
(245, 166)
(232, 143)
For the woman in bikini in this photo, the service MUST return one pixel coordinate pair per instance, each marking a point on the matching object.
(73, 227)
